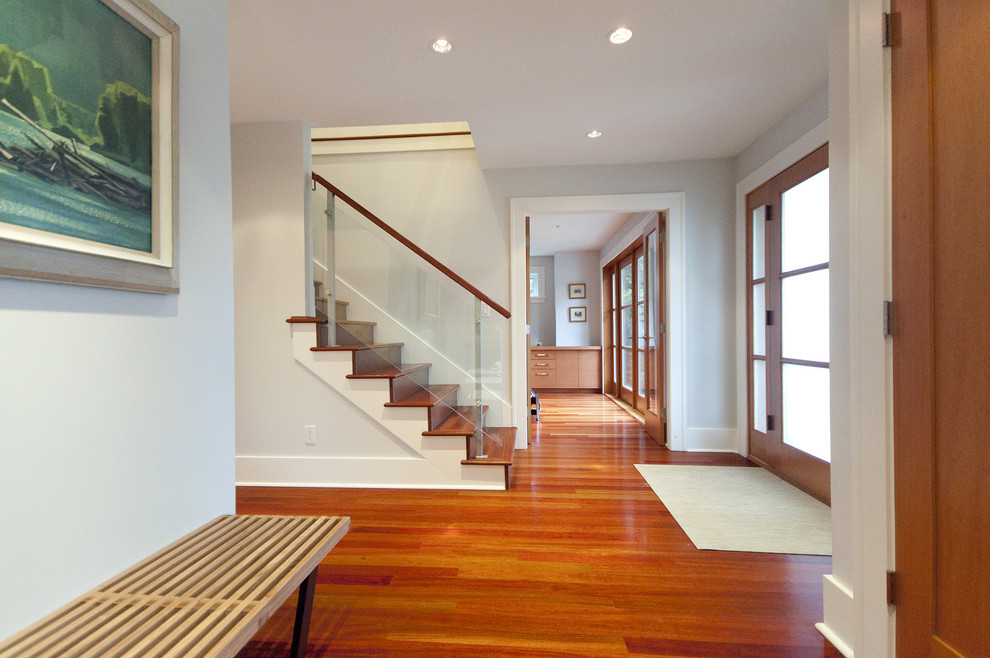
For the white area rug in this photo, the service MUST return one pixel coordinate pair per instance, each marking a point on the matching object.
(730, 508)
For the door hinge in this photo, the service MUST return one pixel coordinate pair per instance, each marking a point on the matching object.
(891, 588)
(769, 423)
(887, 38)
(886, 318)
(769, 318)
(663, 414)
(663, 328)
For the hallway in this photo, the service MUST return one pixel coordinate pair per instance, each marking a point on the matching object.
(579, 558)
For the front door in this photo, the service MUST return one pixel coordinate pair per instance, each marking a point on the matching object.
(788, 301)
(941, 325)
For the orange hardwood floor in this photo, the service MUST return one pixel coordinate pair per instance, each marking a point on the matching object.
(579, 558)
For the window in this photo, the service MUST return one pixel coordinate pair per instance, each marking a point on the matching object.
(537, 292)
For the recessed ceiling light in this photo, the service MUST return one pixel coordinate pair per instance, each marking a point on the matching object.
(594, 134)
(441, 46)
(620, 35)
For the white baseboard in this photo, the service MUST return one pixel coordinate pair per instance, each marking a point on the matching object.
(840, 615)
(374, 473)
(711, 439)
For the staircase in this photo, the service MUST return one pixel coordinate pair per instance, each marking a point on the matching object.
(425, 416)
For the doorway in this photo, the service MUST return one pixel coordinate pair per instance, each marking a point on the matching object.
(673, 338)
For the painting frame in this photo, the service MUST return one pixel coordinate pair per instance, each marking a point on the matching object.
(28, 253)
(576, 291)
(577, 314)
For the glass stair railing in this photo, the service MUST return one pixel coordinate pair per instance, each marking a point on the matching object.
(441, 342)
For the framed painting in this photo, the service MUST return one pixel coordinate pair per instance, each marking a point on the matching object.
(578, 314)
(576, 291)
(88, 143)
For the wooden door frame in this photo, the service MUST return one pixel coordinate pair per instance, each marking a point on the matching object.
(656, 424)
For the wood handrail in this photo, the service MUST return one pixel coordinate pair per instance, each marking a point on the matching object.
(409, 244)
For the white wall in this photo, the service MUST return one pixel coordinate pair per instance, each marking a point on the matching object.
(437, 199)
(806, 115)
(578, 267)
(543, 314)
(117, 408)
(276, 397)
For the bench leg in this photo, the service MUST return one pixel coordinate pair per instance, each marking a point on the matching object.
(304, 607)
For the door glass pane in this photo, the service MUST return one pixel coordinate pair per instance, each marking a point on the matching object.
(642, 373)
(640, 278)
(626, 293)
(641, 322)
(627, 369)
(759, 320)
(651, 323)
(804, 226)
(804, 316)
(760, 395)
(651, 356)
(806, 410)
(759, 241)
(627, 327)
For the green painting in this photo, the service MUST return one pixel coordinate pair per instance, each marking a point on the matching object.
(75, 122)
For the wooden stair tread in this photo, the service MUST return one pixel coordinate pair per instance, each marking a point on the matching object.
(499, 443)
(352, 348)
(304, 319)
(459, 423)
(425, 397)
(391, 373)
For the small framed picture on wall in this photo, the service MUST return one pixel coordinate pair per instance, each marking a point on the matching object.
(578, 314)
(575, 290)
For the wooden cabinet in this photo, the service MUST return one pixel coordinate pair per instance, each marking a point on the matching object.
(565, 368)
(542, 368)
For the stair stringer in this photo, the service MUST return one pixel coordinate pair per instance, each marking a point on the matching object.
(407, 424)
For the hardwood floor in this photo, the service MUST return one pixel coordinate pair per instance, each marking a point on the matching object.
(579, 558)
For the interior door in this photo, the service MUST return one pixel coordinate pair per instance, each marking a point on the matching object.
(653, 338)
(941, 313)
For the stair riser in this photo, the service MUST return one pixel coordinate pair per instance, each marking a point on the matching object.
(441, 411)
(355, 334)
(377, 358)
(408, 384)
(341, 309)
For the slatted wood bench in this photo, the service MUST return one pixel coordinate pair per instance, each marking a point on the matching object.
(205, 595)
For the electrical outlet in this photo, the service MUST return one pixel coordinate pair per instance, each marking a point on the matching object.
(310, 434)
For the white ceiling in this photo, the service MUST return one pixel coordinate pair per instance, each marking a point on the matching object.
(549, 234)
(699, 79)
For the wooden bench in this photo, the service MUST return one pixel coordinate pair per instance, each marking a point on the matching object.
(205, 595)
